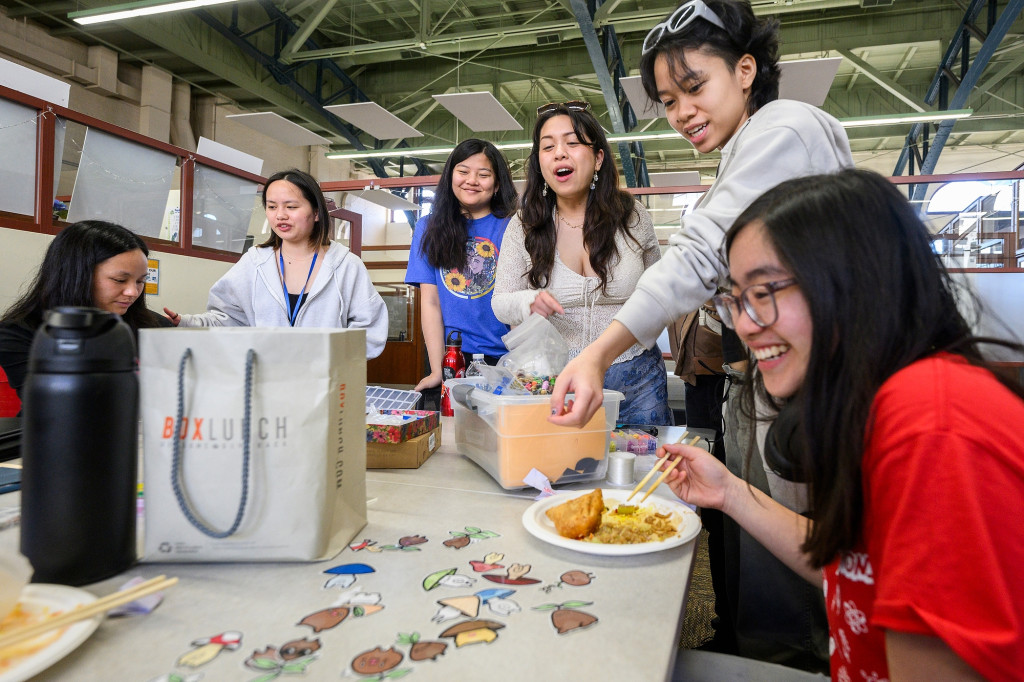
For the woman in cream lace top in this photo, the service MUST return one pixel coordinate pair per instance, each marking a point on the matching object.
(576, 249)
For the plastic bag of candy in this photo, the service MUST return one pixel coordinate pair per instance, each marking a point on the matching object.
(536, 354)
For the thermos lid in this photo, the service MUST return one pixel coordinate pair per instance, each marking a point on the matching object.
(79, 340)
(454, 338)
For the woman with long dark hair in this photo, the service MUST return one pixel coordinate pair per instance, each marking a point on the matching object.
(576, 250)
(89, 263)
(298, 277)
(909, 442)
(454, 254)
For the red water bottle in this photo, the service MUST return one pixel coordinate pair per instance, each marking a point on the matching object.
(453, 367)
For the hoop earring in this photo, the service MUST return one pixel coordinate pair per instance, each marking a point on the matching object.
(593, 183)
(544, 192)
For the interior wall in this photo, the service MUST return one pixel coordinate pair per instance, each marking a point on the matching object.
(184, 282)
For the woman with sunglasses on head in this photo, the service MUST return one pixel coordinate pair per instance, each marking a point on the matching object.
(454, 254)
(910, 443)
(576, 249)
(714, 66)
(298, 277)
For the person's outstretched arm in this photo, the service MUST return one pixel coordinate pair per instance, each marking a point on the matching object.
(584, 376)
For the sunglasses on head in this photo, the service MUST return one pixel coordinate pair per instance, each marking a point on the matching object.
(678, 20)
(571, 105)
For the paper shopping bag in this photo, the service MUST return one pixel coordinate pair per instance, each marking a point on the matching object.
(254, 443)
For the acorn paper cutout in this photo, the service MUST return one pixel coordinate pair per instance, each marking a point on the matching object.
(207, 648)
(473, 632)
(566, 618)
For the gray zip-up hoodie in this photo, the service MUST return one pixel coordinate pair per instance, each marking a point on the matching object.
(342, 295)
(784, 139)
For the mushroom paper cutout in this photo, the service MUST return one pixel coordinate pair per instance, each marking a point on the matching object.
(448, 578)
(473, 632)
(345, 575)
(514, 576)
(207, 648)
(455, 607)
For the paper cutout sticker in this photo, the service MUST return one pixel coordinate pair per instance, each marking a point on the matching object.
(380, 662)
(291, 659)
(345, 574)
(514, 575)
(566, 618)
(420, 650)
(473, 632)
(207, 648)
(575, 578)
(461, 538)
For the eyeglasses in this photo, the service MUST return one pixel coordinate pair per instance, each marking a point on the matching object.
(571, 105)
(678, 20)
(758, 301)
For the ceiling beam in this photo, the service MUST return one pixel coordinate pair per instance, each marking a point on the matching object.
(305, 31)
(882, 80)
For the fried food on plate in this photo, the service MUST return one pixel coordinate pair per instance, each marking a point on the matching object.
(578, 517)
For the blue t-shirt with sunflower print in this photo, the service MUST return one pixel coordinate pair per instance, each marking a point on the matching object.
(465, 294)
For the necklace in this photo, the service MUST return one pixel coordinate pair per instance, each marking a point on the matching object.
(567, 223)
(291, 260)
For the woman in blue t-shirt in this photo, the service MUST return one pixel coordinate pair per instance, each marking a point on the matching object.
(455, 250)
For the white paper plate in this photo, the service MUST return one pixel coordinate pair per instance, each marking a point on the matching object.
(37, 597)
(540, 526)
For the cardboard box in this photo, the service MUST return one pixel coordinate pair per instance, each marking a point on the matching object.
(422, 421)
(408, 455)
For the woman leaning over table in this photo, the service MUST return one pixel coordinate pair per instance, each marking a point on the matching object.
(454, 254)
(714, 66)
(299, 277)
(910, 443)
(576, 249)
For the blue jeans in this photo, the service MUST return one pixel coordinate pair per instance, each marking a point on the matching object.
(644, 382)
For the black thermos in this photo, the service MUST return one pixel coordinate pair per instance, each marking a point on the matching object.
(80, 448)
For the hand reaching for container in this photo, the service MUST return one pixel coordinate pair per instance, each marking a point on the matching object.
(546, 305)
(174, 317)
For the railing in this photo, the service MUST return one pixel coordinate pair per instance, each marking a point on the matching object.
(80, 167)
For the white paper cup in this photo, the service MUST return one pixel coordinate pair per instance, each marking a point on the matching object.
(15, 571)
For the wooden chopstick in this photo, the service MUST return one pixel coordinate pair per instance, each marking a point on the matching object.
(664, 474)
(655, 468)
(87, 611)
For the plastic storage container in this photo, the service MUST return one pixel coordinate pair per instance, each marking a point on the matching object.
(508, 435)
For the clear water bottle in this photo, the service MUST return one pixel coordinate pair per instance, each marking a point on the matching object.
(80, 448)
(474, 366)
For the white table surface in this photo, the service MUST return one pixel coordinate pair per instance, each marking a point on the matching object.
(638, 600)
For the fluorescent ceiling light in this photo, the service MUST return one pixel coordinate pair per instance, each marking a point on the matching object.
(859, 122)
(139, 8)
(922, 117)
